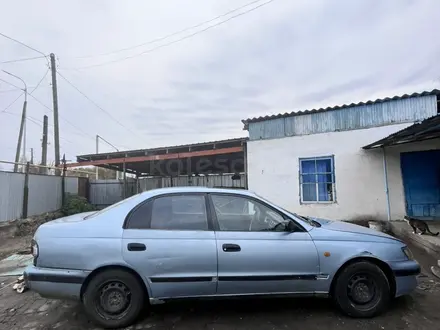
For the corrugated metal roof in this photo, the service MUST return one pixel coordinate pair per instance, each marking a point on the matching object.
(425, 130)
(400, 111)
(305, 112)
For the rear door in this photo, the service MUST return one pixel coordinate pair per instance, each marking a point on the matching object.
(255, 253)
(170, 241)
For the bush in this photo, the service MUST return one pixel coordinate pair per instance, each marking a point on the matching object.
(76, 204)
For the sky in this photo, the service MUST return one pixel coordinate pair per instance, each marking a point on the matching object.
(198, 85)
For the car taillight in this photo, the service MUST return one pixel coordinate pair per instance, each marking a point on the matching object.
(408, 253)
(35, 251)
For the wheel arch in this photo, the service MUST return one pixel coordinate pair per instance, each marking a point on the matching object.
(381, 264)
(111, 267)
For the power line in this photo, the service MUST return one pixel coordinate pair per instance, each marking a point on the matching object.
(97, 105)
(37, 122)
(45, 106)
(15, 114)
(65, 120)
(10, 90)
(25, 45)
(41, 80)
(33, 90)
(175, 41)
(33, 121)
(22, 43)
(12, 103)
(23, 59)
(9, 83)
(172, 34)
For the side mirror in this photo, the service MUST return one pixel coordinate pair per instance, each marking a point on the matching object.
(290, 227)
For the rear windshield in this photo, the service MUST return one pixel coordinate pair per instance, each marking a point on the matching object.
(110, 207)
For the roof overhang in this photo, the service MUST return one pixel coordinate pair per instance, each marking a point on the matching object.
(225, 156)
(248, 121)
(428, 129)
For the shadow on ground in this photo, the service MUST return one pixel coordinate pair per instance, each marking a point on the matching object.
(253, 314)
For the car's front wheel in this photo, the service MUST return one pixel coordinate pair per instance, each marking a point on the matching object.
(114, 299)
(362, 290)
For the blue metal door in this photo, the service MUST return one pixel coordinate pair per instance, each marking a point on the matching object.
(421, 182)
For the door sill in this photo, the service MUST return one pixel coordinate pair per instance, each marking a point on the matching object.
(317, 294)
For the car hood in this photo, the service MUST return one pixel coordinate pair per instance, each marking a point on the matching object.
(347, 227)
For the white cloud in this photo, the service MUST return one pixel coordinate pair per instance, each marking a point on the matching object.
(287, 55)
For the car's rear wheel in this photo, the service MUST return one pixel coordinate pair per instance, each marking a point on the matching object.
(362, 290)
(114, 299)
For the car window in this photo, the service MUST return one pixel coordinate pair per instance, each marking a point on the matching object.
(179, 213)
(238, 213)
(139, 218)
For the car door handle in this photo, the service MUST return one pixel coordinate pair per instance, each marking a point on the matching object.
(231, 248)
(136, 247)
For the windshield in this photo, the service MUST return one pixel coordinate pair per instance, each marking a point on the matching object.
(311, 222)
(301, 217)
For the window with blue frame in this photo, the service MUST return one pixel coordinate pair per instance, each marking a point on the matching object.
(317, 179)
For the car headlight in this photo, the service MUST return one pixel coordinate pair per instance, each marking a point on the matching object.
(408, 253)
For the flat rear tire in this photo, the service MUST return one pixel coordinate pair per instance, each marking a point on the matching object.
(114, 299)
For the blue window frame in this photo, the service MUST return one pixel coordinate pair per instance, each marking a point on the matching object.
(317, 180)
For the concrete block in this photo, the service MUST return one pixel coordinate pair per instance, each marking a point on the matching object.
(431, 244)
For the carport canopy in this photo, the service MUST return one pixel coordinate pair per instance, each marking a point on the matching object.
(225, 156)
(427, 129)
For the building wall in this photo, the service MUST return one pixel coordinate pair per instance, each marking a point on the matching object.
(273, 172)
(348, 118)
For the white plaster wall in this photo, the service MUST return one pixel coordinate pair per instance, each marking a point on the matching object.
(273, 172)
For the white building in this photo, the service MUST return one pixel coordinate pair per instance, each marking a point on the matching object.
(372, 159)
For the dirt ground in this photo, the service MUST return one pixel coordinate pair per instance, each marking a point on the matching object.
(28, 311)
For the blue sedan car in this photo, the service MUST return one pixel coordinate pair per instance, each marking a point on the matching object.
(212, 243)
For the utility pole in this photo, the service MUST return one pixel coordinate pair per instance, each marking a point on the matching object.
(55, 111)
(97, 144)
(44, 146)
(26, 192)
(24, 159)
(22, 133)
(63, 182)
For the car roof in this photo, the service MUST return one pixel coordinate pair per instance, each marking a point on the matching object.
(171, 190)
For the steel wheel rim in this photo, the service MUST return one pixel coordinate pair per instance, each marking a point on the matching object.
(363, 291)
(113, 300)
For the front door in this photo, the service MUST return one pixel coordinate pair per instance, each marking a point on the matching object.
(170, 242)
(255, 253)
(421, 182)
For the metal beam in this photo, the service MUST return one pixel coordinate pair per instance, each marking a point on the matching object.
(172, 149)
(158, 157)
(421, 131)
